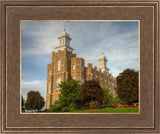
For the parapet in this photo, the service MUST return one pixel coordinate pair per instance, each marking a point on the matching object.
(49, 66)
(77, 58)
(53, 52)
(65, 49)
(90, 65)
(74, 55)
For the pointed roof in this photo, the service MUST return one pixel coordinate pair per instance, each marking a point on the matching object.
(64, 34)
(102, 57)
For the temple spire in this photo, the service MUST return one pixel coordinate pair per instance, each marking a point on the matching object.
(64, 27)
(102, 62)
(64, 41)
(102, 52)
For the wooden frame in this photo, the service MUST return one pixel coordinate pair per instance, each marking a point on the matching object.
(147, 12)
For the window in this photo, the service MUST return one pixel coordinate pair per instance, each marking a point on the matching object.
(59, 65)
(49, 87)
(60, 42)
(58, 82)
(73, 67)
(82, 68)
(49, 72)
(82, 80)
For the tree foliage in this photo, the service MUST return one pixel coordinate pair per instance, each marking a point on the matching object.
(69, 91)
(91, 91)
(22, 103)
(127, 86)
(108, 96)
(34, 101)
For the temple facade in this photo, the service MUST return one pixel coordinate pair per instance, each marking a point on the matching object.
(65, 64)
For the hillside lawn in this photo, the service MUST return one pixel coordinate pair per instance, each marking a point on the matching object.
(105, 110)
(110, 110)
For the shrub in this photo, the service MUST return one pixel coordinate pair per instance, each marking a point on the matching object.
(105, 102)
(116, 100)
(91, 91)
(79, 103)
(57, 106)
(71, 107)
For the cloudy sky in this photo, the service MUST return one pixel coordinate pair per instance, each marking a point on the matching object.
(117, 39)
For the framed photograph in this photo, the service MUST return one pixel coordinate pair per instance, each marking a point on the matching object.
(113, 54)
(45, 44)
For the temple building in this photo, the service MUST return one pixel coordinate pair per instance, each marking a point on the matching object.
(65, 64)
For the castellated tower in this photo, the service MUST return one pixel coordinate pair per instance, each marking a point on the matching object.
(65, 64)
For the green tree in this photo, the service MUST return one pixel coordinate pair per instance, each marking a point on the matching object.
(22, 103)
(91, 91)
(34, 101)
(108, 96)
(69, 91)
(116, 100)
(127, 86)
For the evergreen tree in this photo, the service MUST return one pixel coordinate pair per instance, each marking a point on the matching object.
(69, 91)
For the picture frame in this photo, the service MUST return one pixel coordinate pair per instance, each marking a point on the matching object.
(13, 11)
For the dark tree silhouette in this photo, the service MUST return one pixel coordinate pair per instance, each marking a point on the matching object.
(127, 86)
(91, 91)
(22, 103)
(34, 101)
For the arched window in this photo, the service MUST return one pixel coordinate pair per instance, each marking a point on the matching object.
(101, 63)
(73, 67)
(49, 87)
(58, 82)
(49, 72)
(59, 65)
(82, 68)
(82, 80)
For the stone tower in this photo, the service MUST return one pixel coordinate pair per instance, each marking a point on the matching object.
(65, 64)
(60, 68)
(102, 63)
